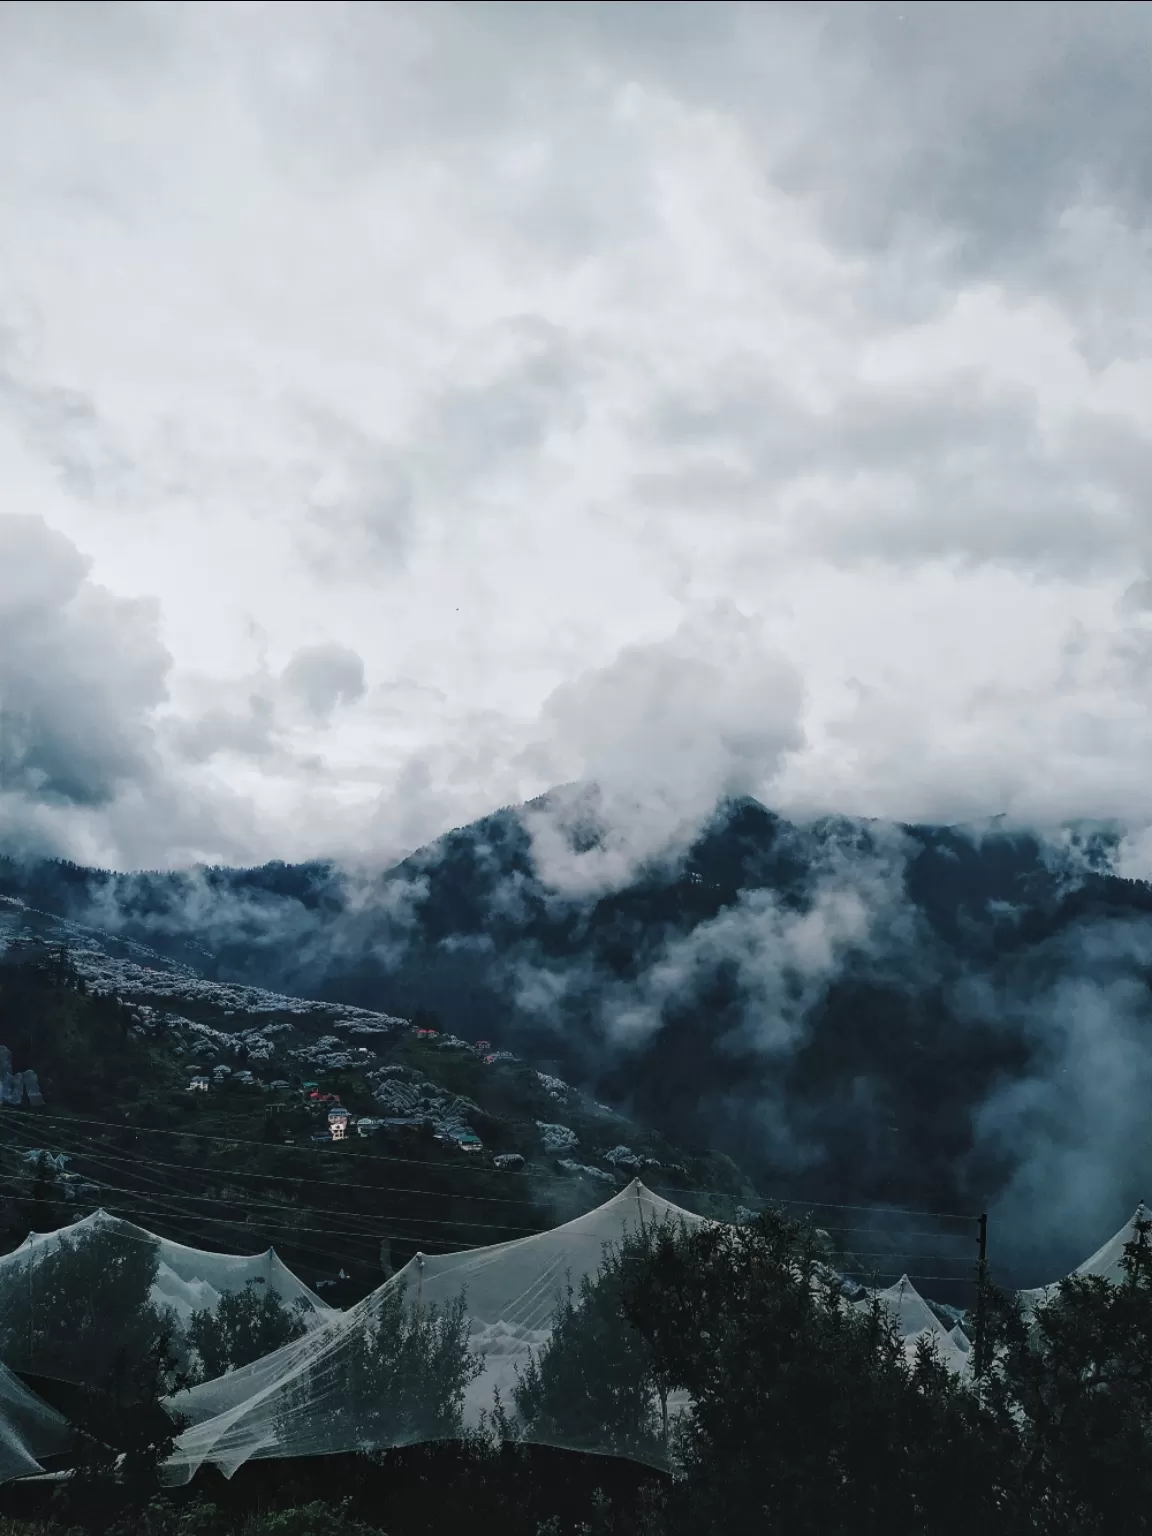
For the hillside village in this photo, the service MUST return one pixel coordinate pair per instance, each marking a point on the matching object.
(237, 1083)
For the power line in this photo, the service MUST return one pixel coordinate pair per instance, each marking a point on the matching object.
(307, 1210)
(514, 1173)
(125, 1213)
(168, 1203)
(222, 1200)
(103, 1157)
(284, 1178)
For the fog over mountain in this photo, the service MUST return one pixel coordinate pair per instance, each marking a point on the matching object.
(943, 1018)
(741, 415)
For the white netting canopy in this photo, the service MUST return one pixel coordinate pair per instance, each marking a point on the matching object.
(1105, 1262)
(382, 1373)
(74, 1300)
(28, 1429)
(915, 1319)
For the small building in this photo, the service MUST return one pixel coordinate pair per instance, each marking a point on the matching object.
(321, 1135)
(367, 1124)
(198, 1085)
(468, 1141)
(427, 1034)
(483, 1045)
(338, 1123)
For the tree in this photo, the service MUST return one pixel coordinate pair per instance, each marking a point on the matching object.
(393, 1374)
(594, 1385)
(126, 1437)
(1073, 1385)
(806, 1413)
(79, 1307)
(245, 1326)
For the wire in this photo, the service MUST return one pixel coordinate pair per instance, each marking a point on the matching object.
(305, 1209)
(367, 1235)
(283, 1178)
(512, 1173)
(830, 1205)
(169, 1206)
(126, 1213)
(113, 1159)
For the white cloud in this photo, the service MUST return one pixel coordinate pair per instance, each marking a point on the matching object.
(497, 345)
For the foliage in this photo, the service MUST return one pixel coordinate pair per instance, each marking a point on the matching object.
(594, 1385)
(806, 1413)
(126, 1437)
(79, 1043)
(245, 1325)
(397, 1377)
(81, 1310)
(162, 1518)
(35, 1528)
(1074, 1390)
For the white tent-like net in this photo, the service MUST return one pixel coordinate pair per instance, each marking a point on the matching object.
(28, 1429)
(340, 1388)
(915, 1319)
(1105, 1262)
(69, 1298)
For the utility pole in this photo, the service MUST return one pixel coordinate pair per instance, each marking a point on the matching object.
(981, 1284)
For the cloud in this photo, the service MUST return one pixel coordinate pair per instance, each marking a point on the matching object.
(81, 672)
(1072, 1129)
(656, 739)
(495, 343)
(62, 424)
(323, 676)
(907, 471)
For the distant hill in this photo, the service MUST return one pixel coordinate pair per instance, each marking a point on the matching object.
(830, 1005)
(448, 1144)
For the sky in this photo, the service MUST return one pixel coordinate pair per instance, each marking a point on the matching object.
(405, 409)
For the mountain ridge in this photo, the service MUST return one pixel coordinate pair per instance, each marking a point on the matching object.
(834, 1005)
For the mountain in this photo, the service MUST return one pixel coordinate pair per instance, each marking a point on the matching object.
(851, 1010)
(200, 1110)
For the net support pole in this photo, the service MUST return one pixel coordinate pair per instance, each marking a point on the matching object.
(981, 1284)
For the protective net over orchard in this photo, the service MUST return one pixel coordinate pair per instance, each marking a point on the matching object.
(453, 1343)
(29, 1429)
(1106, 1262)
(430, 1355)
(91, 1300)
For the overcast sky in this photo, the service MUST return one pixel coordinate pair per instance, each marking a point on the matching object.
(406, 408)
